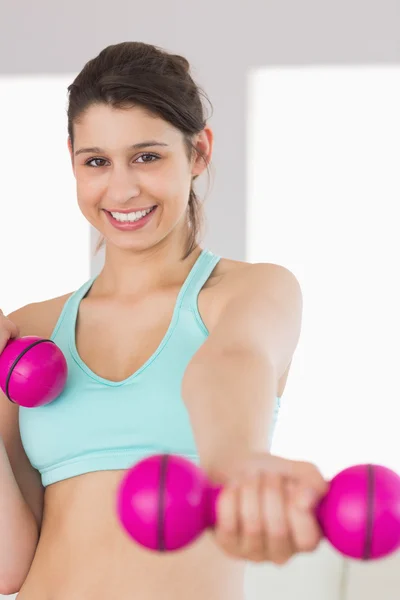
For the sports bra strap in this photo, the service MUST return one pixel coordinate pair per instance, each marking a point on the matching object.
(71, 306)
(198, 277)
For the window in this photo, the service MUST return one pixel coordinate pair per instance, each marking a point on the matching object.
(323, 198)
(44, 239)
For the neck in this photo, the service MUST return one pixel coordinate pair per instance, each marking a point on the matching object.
(126, 272)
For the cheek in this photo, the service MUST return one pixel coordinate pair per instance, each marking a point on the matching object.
(182, 179)
(88, 190)
(169, 188)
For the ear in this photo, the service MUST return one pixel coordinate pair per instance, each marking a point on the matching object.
(203, 142)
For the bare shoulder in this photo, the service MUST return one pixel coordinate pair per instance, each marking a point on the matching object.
(231, 276)
(39, 318)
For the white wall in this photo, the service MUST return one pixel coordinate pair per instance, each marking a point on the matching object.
(323, 192)
(324, 186)
(44, 239)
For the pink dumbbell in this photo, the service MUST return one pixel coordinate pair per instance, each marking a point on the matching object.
(33, 371)
(165, 502)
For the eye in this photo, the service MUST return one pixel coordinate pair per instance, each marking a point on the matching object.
(87, 163)
(155, 156)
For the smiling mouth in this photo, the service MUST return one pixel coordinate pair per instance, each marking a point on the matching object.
(130, 217)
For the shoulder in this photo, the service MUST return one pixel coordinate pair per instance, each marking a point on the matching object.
(39, 318)
(249, 287)
(234, 277)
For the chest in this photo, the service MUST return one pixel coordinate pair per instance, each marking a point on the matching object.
(116, 340)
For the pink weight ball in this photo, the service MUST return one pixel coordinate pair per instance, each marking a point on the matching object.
(360, 515)
(165, 502)
(33, 371)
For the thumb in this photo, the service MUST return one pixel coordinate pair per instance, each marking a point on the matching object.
(305, 473)
(8, 330)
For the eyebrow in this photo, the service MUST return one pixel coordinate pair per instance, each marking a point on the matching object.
(139, 146)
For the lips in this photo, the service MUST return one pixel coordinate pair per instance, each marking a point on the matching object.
(130, 225)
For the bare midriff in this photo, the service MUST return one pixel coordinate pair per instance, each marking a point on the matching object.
(83, 553)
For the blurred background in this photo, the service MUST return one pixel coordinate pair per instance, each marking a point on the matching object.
(306, 97)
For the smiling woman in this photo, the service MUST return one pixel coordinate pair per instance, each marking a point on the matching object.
(170, 349)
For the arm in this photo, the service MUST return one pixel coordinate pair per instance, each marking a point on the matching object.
(266, 511)
(29, 320)
(230, 385)
(21, 492)
(19, 532)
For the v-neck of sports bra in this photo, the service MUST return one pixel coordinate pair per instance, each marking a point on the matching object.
(74, 316)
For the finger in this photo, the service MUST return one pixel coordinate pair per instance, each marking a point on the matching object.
(12, 328)
(8, 330)
(278, 540)
(8, 325)
(297, 470)
(309, 476)
(251, 523)
(4, 337)
(227, 530)
(305, 531)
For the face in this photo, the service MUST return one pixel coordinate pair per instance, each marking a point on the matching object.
(133, 175)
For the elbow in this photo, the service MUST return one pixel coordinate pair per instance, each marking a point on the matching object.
(8, 590)
(11, 581)
(14, 571)
(10, 585)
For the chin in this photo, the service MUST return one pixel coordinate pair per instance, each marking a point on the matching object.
(134, 245)
(129, 245)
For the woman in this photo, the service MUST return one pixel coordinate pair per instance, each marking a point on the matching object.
(169, 348)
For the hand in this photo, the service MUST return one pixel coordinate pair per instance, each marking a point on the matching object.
(8, 330)
(266, 510)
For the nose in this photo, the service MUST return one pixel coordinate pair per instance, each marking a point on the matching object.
(122, 185)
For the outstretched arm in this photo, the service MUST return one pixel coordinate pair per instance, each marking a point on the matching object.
(266, 511)
(231, 383)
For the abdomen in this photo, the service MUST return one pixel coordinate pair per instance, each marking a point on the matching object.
(84, 553)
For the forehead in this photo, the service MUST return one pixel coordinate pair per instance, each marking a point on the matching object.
(104, 125)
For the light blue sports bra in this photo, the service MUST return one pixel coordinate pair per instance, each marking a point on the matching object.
(97, 424)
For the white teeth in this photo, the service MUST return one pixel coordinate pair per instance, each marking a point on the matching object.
(131, 217)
